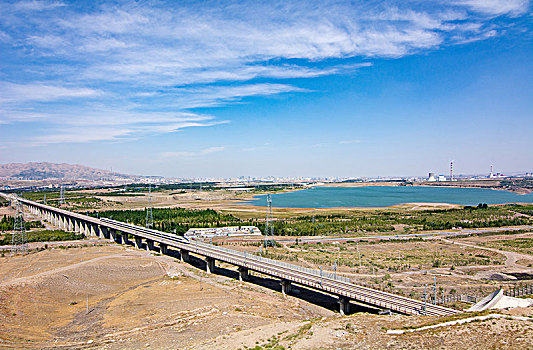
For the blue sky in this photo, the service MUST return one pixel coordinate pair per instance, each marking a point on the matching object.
(258, 88)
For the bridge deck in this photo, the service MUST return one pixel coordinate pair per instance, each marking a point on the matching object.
(326, 282)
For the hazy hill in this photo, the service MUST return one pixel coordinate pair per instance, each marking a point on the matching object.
(44, 171)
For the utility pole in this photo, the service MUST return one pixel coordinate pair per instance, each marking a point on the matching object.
(400, 260)
(435, 301)
(425, 297)
(358, 252)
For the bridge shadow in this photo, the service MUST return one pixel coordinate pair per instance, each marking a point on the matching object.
(305, 293)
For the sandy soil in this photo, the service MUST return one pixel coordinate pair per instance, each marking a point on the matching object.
(134, 298)
(138, 300)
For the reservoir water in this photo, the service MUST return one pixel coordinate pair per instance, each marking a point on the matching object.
(384, 196)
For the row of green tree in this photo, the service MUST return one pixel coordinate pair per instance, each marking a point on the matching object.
(44, 236)
(179, 220)
(7, 223)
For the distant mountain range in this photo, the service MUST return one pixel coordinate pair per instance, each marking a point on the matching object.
(46, 171)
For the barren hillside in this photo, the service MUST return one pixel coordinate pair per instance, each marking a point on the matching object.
(43, 170)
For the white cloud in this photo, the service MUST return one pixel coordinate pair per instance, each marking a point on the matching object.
(219, 95)
(181, 154)
(4, 37)
(496, 7)
(41, 92)
(349, 142)
(38, 5)
(94, 132)
(149, 57)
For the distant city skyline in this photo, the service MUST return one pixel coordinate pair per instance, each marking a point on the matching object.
(338, 89)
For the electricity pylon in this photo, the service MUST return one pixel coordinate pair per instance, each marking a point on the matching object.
(269, 225)
(18, 239)
(149, 217)
(62, 195)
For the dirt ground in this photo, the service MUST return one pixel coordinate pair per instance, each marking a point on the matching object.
(465, 266)
(116, 297)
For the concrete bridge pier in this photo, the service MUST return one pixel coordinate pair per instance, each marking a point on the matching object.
(84, 228)
(93, 230)
(118, 237)
(138, 242)
(113, 235)
(149, 245)
(286, 286)
(163, 248)
(124, 237)
(103, 232)
(210, 264)
(184, 255)
(344, 305)
(243, 273)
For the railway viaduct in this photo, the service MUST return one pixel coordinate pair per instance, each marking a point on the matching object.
(288, 274)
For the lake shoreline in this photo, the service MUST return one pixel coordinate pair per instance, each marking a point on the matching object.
(388, 198)
(518, 190)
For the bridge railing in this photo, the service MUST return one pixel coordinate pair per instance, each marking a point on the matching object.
(253, 257)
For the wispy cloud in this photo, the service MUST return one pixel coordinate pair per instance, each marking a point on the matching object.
(349, 142)
(41, 92)
(38, 5)
(496, 7)
(181, 154)
(148, 57)
(92, 133)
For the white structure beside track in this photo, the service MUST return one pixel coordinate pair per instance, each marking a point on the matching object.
(144, 238)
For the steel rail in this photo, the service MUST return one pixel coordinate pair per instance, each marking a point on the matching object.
(289, 272)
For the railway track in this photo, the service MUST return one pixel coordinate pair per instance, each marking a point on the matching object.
(332, 284)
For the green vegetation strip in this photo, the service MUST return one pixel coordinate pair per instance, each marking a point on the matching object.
(177, 220)
(7, 223)
(405, 221)
(522, 245)
(45, 236)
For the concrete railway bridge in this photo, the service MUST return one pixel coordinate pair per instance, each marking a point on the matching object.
(288, 274)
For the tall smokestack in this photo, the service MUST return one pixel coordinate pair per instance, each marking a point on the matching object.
(451, 170)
